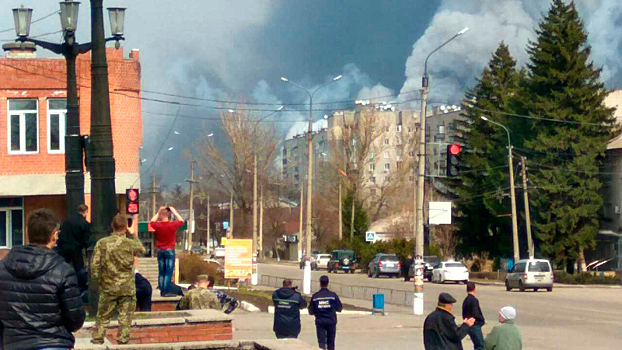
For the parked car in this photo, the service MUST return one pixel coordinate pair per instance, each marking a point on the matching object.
(530, 273)
(430, 262)
(218, 253)
(321, 261)
(450, 271)
(313, 263)
(342, 260)
(384, 264)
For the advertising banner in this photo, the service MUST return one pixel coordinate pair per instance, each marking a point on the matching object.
(238, 258)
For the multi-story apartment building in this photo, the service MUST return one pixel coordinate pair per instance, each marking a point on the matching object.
(441, 131)
(32, 116)
(295, 156)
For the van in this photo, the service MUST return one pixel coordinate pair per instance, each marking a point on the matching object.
(530, 273)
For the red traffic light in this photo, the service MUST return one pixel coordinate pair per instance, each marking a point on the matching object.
(455, 149)
(132, 197)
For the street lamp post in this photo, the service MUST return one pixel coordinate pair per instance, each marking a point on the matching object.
(310, 176)
(255, 245)
(70, 49)
(420, 189)
(512, 195)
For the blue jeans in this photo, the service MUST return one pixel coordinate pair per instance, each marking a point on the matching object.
(475, 332)
(166, 266)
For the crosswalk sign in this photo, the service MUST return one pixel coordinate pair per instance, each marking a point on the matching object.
(370, 236)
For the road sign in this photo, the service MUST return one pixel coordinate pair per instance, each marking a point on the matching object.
(370, 236)
(238, 258)
(440, 213)
(225, 225)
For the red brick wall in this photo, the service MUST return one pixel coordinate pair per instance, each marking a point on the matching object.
(41, 79)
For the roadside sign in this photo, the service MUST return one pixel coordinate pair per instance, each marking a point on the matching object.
(440, 213)
(225, 225)
(370, 236)
(223, 241)
(238, 258)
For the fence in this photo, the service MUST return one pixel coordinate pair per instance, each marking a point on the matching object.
(391, 296)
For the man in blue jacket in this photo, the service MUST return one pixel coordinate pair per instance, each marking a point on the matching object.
(324, 306)
(287, 305)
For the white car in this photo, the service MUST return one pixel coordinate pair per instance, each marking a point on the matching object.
(450, 271)
(530, 273)
(322, 261)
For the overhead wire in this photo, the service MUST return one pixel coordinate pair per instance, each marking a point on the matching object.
(32, 22)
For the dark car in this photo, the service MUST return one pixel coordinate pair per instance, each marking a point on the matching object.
(384, 264)
(342, 260)
(430, 262)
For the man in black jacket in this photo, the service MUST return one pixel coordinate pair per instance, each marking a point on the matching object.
(40, 304)
(324, 306)
(74, 237)
(287, 305)
(439, 329)
(471, 309)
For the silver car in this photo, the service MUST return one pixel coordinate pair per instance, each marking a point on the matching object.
(530, 274)
(384, 264)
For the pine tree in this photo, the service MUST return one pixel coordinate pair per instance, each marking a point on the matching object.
(483, 180)
(361, 220)
(570, 137)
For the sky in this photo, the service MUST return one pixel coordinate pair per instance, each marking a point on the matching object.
(239, 49)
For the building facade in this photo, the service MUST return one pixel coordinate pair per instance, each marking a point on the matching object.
(32, 133)
(295, 156)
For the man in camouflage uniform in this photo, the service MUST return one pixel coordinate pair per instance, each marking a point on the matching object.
(113, 269)
(200, 297)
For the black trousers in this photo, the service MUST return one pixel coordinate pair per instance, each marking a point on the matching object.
(326, 335)
(286, 336)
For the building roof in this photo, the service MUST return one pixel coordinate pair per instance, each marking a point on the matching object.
(614, 99)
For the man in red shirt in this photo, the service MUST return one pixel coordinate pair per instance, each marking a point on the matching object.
(165, 237)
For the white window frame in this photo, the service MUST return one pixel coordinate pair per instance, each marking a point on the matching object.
(9, 226)
(386, 154)
(62, 124)
(386, 142)
(22, 130)
(372, 167)
(387, 166)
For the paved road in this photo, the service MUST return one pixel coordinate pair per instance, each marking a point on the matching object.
(567, 318)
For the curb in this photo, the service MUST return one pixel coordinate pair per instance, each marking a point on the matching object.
(249, 307)
(344, 312)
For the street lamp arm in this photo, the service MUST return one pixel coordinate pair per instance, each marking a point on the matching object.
(504, 128)
(321, 86)
(425, 70)
(302, 87)
(55, 48)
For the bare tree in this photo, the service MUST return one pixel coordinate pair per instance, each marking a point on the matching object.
(445, 236)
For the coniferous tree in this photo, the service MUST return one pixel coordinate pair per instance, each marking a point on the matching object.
(482, 184)
(571, 129)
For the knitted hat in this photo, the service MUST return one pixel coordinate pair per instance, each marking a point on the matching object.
(508, 313)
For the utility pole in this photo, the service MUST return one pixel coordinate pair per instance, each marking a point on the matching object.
(209, 241)
(300, 235)
(513, 198)
(530, 245)
(254, 203)
(340, 213)
(191, 207)
(153, 194)
(352, 219)
(260, 242)
(231, 217)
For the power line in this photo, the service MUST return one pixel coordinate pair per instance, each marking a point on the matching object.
(33, 22)
(537, 118)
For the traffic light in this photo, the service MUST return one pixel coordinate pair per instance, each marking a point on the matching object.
(453, 159)
(132, 205)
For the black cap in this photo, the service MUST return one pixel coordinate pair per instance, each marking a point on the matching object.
(446, 298)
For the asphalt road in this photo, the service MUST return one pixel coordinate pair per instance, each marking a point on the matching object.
(567, 318)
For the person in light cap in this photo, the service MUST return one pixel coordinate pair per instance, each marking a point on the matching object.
(505, 336)
(440, 331)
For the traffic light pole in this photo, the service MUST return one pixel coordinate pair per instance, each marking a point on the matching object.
(530, 246)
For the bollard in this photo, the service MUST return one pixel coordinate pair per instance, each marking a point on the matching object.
(306, 282)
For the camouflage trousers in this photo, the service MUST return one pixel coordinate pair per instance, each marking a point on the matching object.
(125, 306)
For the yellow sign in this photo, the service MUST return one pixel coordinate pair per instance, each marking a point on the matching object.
(238, 258)
(223, 241)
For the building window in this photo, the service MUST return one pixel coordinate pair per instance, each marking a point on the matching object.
(296, 169)
(372, 179)
(399, 128)
(386, 155)
(411, 153)
(387, 166)
(410, 129)
(372, 155)
(11, 222)
(373, 191)
(23, 128)
(386, 142)
(386, 129)
(441, 129)
(372, 167)
(57, 119)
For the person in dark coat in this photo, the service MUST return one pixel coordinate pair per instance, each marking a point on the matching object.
(287, 305)
(40, 304)
(144, 291)
(324, 306)
(471, 309)
(406, 267)
(74, 238)
(439, 329)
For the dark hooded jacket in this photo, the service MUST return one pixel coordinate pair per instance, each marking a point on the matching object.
(440, 331)
(40, 304)
(287, 305)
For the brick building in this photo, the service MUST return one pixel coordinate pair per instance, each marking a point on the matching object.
(32, 131)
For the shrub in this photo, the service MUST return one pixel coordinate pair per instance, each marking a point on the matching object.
(584, 278)
(192, 265)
